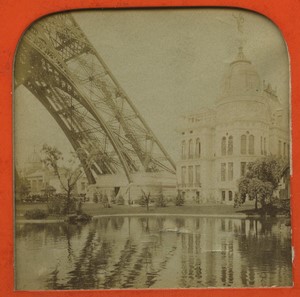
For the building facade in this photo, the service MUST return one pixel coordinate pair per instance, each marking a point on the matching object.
(246, 122)
(40, 177)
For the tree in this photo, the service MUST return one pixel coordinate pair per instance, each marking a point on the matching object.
(67, 176)
(105, 201)
(179, 199)
(48, 191)
(160, 200)
(145, 199)
(260, 182)
(22, 186)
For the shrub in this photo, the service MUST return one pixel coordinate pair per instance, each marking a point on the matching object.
(120, 200)
(100, 200)
(113, 197)
(95, 198)
(79, 208)
(36, 214)
(141, 200)
(179, 199)
(160, 201)
(59, 205)
(105, 201)
(82, 218)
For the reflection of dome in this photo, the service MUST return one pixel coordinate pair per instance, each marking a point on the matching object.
(242, 78)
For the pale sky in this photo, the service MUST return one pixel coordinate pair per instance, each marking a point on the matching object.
(170, 62)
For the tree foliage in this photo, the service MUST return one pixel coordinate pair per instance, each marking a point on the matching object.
(267, 169)
(22, 186)
(145, 199)
(261, 179)
(160, 201)
(179, 199)
(67, 176)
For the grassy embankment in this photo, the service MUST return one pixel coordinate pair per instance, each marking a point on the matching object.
(94, 209)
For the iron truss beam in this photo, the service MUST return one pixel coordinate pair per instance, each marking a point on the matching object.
(58, 64)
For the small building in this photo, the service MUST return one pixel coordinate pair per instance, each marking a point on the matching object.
(39, 177)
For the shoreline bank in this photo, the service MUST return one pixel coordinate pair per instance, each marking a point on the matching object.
(98, 211)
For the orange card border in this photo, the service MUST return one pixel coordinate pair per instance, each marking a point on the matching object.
(17, 15)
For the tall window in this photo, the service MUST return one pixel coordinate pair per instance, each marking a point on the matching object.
(279, 148)
(284, 149)
(261, 145)
(198, 175)
(265, 145)
(183, 174)
(198, 148)
(34, 186)
(223, 171)
(191, 175)
(82, 186)
(183, 150)
(243, 168)
(243, 144)
(223, 195)
(223, 146)
(230, 145)
(190, 149)
(230, 171)
(40, 184)
(251, 145)
(230, 196)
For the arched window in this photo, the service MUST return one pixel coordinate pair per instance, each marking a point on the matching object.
(243, 144)
(198, 175)
(223, 171)
(198, 148)
(230, 171)
(279, 148)
(183, 174)
(183, 150)
(251, 145)
(230, 145)
(191, 175)
(190, 149)
(223, 146)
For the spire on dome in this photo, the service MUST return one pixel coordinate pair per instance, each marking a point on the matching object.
(241, 56)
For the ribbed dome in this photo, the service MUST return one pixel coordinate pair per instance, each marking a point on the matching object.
(242, 97)
(242, 78)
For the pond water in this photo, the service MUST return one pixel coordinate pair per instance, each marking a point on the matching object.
(153, 252)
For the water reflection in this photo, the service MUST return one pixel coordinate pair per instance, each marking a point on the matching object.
(153, 252)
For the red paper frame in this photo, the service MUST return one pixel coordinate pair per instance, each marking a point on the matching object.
(17, 15)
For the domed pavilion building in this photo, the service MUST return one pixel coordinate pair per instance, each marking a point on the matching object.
(246, 122)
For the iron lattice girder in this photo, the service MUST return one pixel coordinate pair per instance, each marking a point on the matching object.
(50, 87)
(68, 61)
(47, 75)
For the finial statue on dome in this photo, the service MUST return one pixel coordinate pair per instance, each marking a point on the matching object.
(240, 20)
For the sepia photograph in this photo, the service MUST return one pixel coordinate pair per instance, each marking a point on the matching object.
(152, 150)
